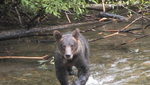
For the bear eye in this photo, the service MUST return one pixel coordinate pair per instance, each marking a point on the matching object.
(63, 46)
(72, 45)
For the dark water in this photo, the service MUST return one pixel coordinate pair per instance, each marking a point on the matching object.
(110, 64)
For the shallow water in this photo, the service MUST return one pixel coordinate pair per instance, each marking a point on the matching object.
(110, 64)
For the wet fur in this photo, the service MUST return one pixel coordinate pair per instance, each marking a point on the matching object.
(80, 58)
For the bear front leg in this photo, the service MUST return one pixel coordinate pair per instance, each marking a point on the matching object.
(62, 76)
(83, 75)
(70, 71)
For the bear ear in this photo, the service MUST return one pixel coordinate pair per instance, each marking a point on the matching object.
(76, 33)
(57, 35)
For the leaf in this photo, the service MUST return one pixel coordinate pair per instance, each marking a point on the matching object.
(55, 6)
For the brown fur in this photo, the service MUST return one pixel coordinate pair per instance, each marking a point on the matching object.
(71, 50)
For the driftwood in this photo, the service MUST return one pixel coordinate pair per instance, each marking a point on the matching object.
(25, 57)
(124, 29)
(96, 26)
(134, 39)
(93, 40)
(4, 35)
(108, 15)
(100, 6)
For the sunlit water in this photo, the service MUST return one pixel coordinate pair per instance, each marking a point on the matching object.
(110, 64)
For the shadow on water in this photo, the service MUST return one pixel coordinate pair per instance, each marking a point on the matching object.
(109, 64)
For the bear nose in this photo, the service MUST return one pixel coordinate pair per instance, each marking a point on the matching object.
(67, 55)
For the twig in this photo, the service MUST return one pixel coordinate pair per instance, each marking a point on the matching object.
(117, 32)
(131, 10)
(131, 23)
(101, 24)
(19, 17)
(109, 31)
(135, 12)
(103, 5)
(146, 26)
(92, 40)
(67, 17)
(36, 17)
(134, 39)
(9, 51)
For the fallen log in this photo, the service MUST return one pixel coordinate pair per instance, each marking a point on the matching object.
(108, 15)
(100, 6)
(5, 35)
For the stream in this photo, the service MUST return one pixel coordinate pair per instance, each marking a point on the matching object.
(110, 64)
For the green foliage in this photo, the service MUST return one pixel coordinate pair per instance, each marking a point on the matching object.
(138, 4)
(55, 6)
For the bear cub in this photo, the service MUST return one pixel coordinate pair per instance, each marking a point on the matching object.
(71, 49)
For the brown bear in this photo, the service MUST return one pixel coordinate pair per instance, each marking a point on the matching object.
(71, 49)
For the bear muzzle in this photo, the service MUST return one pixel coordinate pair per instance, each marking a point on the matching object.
(68, 56)
(68, 53)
